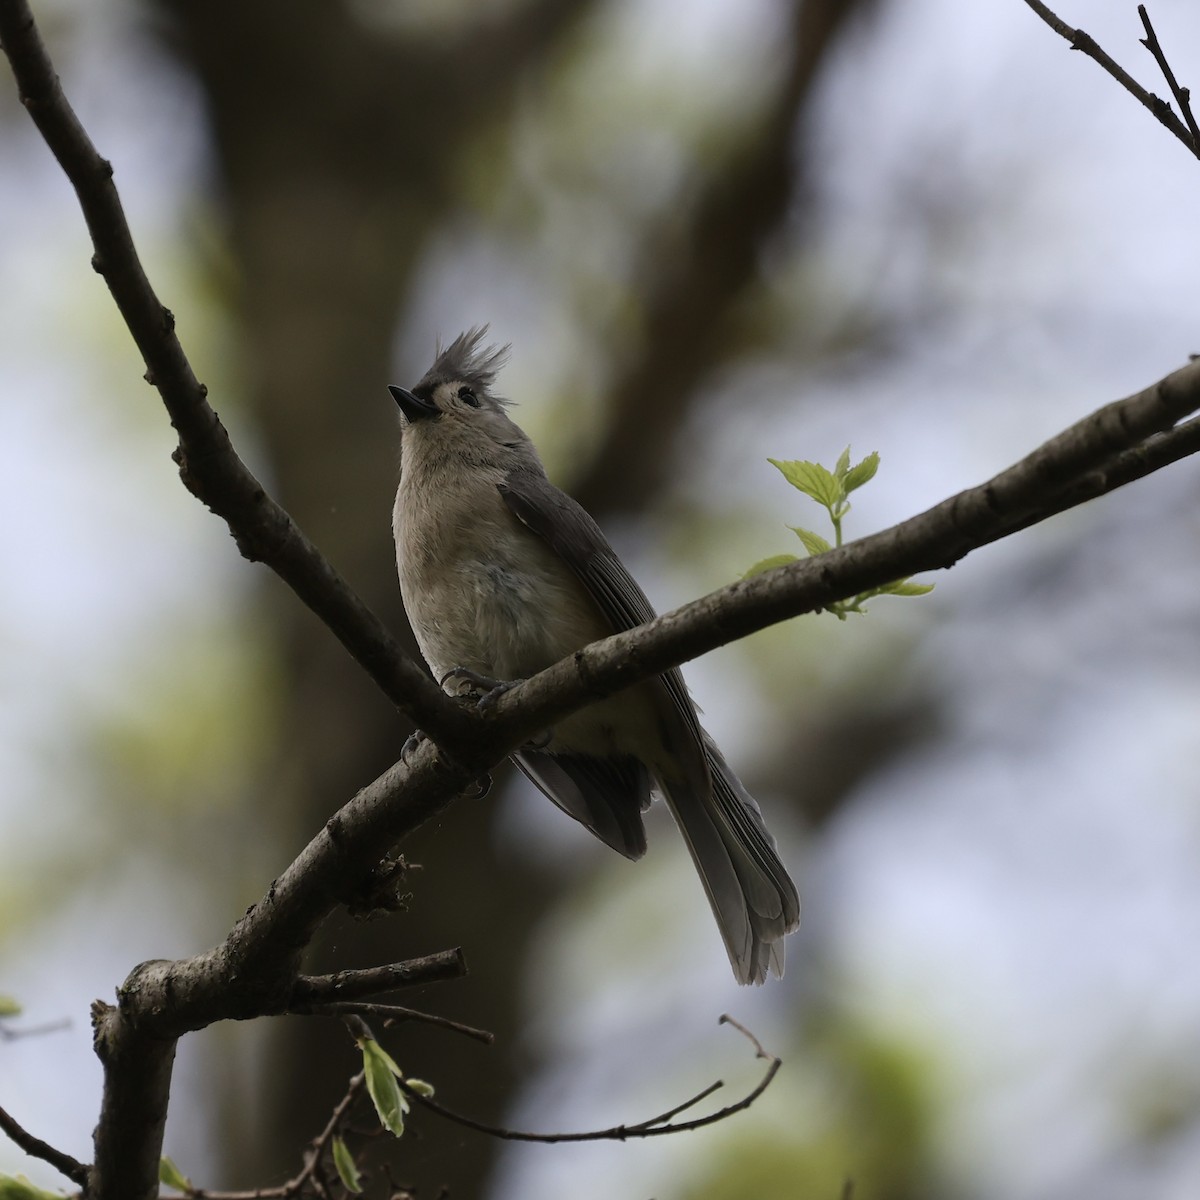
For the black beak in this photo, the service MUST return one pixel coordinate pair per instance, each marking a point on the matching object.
(411, 405)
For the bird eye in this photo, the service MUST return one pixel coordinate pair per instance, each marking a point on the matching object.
(467, 396)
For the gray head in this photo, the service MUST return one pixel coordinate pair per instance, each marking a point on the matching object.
(453, 411)
(454, 414)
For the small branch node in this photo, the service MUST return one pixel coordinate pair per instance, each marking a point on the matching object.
(383, 891)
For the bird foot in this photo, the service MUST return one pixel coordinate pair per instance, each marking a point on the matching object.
(475, 683)
(412, 744)
(482, 786)
(488, 691)
(483, 688)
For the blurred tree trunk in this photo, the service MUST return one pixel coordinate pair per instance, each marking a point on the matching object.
(337, 144)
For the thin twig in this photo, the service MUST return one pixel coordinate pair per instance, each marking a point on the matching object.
(653, 1127)
(62, 1162)
(12, 1035)
(1183, 96)
(392, 1014)
(350, 985)
(1086, 44)
(313, 1158)
(663, 1118)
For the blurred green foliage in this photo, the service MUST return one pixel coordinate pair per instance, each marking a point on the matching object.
(862, 1125)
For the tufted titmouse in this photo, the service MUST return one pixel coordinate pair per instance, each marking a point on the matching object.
(502, 575)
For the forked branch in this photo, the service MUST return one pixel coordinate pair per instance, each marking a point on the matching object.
(1185, 130)
(651, 1127)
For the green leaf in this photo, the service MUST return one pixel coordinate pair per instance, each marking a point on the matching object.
(347, 1168)
(17, 1187)
(389, 1061)
(172, 1176)
(843, 464)
(769, 564)
(903, 588)
(9, 1007)
(385, 1093)
(814, 543)
(864, 472)
(420, 1086)
(813, 480)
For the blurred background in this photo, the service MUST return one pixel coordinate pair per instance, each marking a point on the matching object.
(713, 233)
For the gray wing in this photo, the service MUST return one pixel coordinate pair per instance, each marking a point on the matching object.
(606, 795)
(750, 891)
(574, 536)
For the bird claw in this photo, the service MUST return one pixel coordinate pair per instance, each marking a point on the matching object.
(477, 684)
(416, 739)
(483, 688)
(483, 786)
(412, 744)
(486, 692)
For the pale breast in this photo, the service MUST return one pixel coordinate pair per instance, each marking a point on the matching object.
(481, 590)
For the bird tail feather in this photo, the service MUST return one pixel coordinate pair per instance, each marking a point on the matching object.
(752, 896)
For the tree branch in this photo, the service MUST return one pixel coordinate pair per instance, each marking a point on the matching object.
(1157, 451)
(652, 1127)
(294, 1187)
(133, 1111)
(1183, 96)
(1092, 457)
(208, 464)
(250, 974)
(934, 540)
(36, 1148)
(1084, 42)
(392, 1014)
(13, 1035)
(254, 971)
(354, 985)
